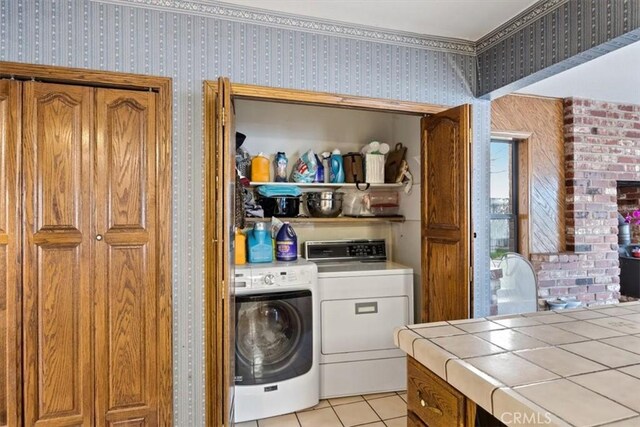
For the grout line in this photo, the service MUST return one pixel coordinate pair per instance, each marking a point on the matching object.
(374, 411)
(336, 414)
(297, 419)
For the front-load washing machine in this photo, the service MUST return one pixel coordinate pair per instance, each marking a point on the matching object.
(277, 342)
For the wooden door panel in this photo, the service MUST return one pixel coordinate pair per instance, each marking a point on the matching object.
(445, 294)
(446, 227)
(444, 184)
(126, 318)
(10, 278)
(57, 254)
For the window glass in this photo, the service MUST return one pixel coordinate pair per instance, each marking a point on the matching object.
(504, 206)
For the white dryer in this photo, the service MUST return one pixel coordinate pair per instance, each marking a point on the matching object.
(363, 297)
(277, 339)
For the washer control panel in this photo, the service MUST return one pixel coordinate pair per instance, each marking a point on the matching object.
(273, 275)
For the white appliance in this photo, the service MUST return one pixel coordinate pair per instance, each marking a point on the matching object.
(363, 297)
(277, 339)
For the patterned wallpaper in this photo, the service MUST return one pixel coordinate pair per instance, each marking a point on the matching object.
(552, 37)
(191, 46)
(195, 40)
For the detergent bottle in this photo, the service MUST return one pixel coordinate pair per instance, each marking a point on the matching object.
(286, 244)
(260, 244)
(337, 168)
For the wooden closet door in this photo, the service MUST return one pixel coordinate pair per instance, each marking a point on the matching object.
(446, 224)
(58, 368)
(10, 276)
(125, 274)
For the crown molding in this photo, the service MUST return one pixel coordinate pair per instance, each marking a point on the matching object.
(221, 10)
(517, 23)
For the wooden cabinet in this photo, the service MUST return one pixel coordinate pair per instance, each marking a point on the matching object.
(433, 402)
(92, 348)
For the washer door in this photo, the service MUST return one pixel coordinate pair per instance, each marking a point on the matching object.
(274, 340)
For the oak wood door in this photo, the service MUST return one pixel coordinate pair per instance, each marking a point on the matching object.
(126, 293)
(225, 142)
(10, 253)
(57, 247)
(446, 228)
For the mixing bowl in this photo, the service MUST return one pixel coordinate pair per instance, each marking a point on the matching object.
(324, 204)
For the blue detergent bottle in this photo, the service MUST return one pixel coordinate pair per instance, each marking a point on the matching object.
(286, 244)
(260, 244)
(337, 168)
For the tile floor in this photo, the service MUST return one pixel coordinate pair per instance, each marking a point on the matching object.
(372, 410)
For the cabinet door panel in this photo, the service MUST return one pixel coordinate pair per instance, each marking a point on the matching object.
(10, 279)
(57, 254)
(125, 275)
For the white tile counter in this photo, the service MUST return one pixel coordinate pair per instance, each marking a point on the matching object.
(577, 367)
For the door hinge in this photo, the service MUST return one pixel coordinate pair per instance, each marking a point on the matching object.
(470, 135)
(224, 290)
(471, 273)
(224, 116)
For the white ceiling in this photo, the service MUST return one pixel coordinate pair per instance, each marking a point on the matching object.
(463, 19)
(614, 77)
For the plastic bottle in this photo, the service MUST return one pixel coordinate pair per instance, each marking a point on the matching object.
(326, 164)
(320, 171)
(241, 248)
(260, 168)
(260, 244)
(281, 167)
(337, 167)
(286, 244)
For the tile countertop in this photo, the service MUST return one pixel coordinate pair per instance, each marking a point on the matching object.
(576, 367)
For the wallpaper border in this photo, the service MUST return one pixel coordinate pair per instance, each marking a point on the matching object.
(253, 15)
(517, 23)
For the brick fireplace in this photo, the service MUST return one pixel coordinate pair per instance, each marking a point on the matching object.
(602, 147)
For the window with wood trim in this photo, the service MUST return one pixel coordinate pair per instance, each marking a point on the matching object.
(504, 197)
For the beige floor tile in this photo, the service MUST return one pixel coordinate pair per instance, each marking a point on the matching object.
(615, 385)
(288, 420)
(482, 326)
(560, 361)
(511, 369)
(376, 424)
(356, 413)
(511, 340)
(396, 422)
(466, 346)
(320, 405)
(550, 334)
(403, 396)
(389, 407)
(629, 343)
(603, 353)
(589, 330)
(618, 324)
(632, 370)
(635, 317)
(247, 424)
(344, 400)
(378, 395)
(574, 403)
(325, 417)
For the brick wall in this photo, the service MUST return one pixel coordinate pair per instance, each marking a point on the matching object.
(629, 201)
(602, 147)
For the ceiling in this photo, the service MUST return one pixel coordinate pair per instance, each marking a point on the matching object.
(462, 19)
(614, 77)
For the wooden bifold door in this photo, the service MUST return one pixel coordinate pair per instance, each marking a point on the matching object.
(79, 243)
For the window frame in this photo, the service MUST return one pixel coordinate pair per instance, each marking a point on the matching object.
(514, 216)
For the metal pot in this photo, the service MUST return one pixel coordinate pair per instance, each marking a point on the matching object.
(279, 206)
(324, 204)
